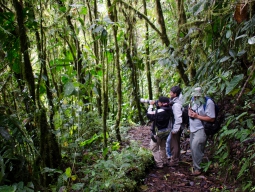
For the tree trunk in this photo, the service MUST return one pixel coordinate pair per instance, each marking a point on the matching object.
(147, 51)
(165, 40)
(104, 62)
(49, 149)
(113, 16)
(26, 68)
(161, 22)
(130, 55)
(96, 52)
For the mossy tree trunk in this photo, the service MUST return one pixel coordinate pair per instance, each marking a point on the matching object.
(114, 17)
(147, 51)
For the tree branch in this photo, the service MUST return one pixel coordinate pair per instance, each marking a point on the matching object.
(251, 74)
(141, 15)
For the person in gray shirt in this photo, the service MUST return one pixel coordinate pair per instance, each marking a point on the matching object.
(197, 115)
(173, 140)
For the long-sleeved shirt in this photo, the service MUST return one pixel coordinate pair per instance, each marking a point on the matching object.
(177, 114)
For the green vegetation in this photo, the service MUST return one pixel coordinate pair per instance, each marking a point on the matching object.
(73, 72)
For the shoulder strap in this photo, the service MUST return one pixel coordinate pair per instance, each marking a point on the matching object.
(206, 98)
(155, 121)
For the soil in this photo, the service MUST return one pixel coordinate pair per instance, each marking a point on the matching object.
(178, 178)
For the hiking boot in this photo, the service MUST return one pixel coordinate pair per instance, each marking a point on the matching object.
(196, 173)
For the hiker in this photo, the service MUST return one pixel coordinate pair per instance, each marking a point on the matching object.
(198, 115)
(160, 118)
(173, 139)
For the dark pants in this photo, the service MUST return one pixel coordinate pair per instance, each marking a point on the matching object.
(175, 146)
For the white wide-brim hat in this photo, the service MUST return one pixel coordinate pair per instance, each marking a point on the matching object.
(197, 92)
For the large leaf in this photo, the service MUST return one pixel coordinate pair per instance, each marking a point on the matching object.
(69, 88)
(228, 34)
(202, 5)
(5, 133)
(224, 59)
(68, 172)
(232, 53)
(232, 84)
(6, 188)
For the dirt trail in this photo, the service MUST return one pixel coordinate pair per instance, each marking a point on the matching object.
(177, 178)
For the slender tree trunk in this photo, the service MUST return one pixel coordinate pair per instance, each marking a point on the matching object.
(129, 47)
(161, 22)
(182, 20)
(147, 51)
(96, 52)
(114, 18)
(104, 62)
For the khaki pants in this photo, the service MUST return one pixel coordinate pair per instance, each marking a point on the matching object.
(159, 151)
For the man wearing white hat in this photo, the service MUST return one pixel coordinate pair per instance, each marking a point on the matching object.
(198, 114)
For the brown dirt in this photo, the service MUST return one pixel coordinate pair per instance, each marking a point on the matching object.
(177, 178)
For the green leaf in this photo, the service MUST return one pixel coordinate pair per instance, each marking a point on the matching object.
(228, 34)
(232, 53)
(203, 5)
(251, 40)
(6, 188)
(231, 85)
(89, 141)
(68, 172)
(68, 88)
(62, 9)
(245, 165)
(78, 186)
(64, 78)
(105, 151)
(244, 113)
(240, 53)
(84, 11)
(196, 9)
(224, 59)
(5, 133)
(241, 36)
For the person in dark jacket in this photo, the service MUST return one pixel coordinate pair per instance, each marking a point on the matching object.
(160, 118)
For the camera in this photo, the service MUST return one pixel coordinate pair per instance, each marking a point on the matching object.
(193, 111)
(142, 100)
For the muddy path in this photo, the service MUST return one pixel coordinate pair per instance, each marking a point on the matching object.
(178, 178)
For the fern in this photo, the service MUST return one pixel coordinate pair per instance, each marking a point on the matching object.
(243, 168)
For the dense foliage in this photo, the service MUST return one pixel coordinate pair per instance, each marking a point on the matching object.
(72, 74)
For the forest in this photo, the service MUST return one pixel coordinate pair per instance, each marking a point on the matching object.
(73, 73)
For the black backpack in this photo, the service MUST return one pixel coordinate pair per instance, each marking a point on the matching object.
(185, 116)
(212, 127)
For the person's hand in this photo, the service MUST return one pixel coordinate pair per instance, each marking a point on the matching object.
(192, 114)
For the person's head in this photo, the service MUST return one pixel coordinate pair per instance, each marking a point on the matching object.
(163, 101)
(175, 91)
(197, 92)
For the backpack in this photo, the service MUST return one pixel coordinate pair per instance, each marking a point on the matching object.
(185, 116)
(212, 127)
